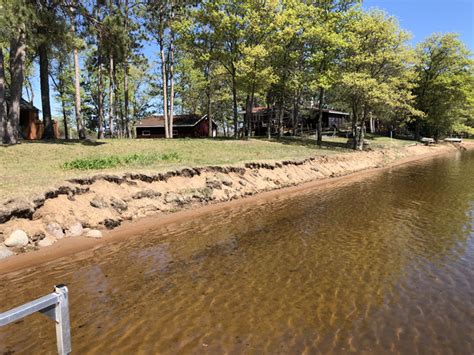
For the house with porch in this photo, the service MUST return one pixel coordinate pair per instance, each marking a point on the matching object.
(264, 118)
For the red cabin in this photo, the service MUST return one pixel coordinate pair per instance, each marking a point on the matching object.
(183, 126)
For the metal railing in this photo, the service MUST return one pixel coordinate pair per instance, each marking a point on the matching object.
(55, 306)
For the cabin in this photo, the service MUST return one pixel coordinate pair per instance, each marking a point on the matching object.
(264, 117)
(192, 126)
(31, 127)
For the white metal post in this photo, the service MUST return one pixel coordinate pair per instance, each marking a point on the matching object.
(63, 331)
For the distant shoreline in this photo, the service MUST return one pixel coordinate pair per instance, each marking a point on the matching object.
(134, 203)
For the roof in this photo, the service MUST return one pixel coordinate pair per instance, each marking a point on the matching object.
(336, 112)
(25, 105)
(258, 109)
(328, 110)
(178, 121)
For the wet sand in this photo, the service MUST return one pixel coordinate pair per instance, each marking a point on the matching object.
(129, 229)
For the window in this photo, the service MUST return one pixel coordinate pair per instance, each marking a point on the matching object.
(146, 133)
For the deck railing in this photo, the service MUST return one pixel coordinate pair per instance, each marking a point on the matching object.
(55, 306)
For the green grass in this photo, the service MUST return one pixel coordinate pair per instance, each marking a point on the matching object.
(113, 161)
(31, 167)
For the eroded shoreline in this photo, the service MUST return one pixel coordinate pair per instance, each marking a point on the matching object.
(106, 202)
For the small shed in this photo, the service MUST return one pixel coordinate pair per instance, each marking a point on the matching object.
(31, 127)
(193, 126)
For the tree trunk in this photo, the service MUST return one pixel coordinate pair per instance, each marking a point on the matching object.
(122, 118)
(111, 96)
(417, 129)
(207, 76)
(165, 85)
(125, 79)
(118, 114)
(77, 95)
(354, 126)
(234, 102)
(250, 113)
(100, 101)
(280, 120)
(77, 86)
(361, 136)
(361, 132)
(247, 116)
(209, 111)
(100, 86)
(319, 125)
(45, 98)
(17, 62)
(3, 106)
(372, 123)
(293, 118)
(269, 127)
(295, 114)
(66, 132)
(111, 83)
(126, 99)
(171, 113)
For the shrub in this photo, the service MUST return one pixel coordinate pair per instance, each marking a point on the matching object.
(170, 156)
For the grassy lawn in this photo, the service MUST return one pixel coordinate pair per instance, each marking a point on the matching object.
(31, 167)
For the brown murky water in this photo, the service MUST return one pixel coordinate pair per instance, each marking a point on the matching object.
(378, 265)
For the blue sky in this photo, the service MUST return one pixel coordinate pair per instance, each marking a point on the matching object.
(420, 17)
(424, 17)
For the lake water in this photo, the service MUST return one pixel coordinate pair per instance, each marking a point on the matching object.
(384, 263)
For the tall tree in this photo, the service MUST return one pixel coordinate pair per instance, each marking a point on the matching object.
(158, 23)
(49, 29)
(111, 73)
(254, 71)
(325, 38)
(126, 68)
(225, 20)
(287, 60)
(45, 96)
(444, 84)
(163, 18)
(376, 69)
(195, 64)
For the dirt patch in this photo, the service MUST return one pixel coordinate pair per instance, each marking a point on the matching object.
(104, 202)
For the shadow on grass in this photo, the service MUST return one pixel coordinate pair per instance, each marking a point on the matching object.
(309, 143)
(71, 142)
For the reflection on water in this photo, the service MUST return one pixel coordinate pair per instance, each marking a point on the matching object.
(382, 264)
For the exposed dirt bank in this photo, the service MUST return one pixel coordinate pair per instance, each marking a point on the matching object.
(87, 207)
